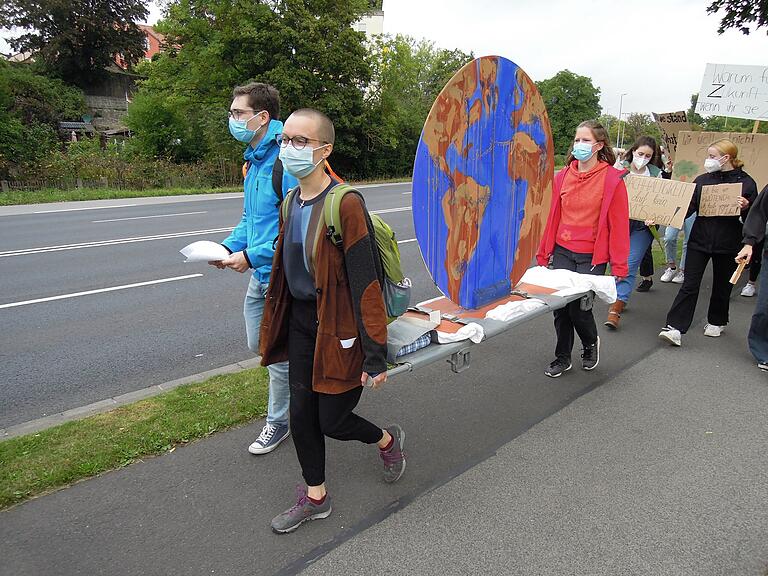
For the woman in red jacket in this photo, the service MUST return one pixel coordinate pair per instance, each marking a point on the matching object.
(587, 228)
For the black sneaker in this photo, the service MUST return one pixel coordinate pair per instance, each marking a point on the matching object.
(645, 285)
(557, 367)
(590, 355)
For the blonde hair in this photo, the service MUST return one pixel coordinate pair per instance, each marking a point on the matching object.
(725, 146)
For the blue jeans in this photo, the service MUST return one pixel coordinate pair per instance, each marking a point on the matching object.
(758, 330)
(670, 241)
(639, 240)
(279, 392)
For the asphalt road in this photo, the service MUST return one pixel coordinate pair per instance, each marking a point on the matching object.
(206, 507)
(180, 320)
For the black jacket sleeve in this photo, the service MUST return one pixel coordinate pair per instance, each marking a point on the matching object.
(754, 225)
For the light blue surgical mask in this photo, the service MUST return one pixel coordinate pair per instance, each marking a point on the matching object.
(238, 129)
(582, 151)
(299, 163)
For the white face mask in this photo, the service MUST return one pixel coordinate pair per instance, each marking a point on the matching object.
(712, 164)
(639, 161)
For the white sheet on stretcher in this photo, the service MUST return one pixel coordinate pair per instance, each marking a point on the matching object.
(567, 282)
(471, 331)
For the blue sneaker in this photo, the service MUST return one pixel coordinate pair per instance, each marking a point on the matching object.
(270, 438)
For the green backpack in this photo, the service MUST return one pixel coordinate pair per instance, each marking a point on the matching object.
(397, 288)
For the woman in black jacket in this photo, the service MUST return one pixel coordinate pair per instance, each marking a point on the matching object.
(715, 237)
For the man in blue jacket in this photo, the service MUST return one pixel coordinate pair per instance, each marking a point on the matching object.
(253, 120)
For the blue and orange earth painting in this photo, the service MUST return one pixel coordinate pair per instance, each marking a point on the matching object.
(482, 181)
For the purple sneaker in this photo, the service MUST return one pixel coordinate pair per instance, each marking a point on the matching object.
(394, 458)
(303, 510)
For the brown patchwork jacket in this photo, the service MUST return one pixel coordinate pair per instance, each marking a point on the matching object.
(349, 305)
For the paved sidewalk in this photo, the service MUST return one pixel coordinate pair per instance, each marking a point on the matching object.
(663, 471)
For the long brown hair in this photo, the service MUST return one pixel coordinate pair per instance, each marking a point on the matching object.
(600, 134)
(652, 144)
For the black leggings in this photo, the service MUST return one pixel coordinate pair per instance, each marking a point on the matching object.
(572, 317)
(680, 316)
(315, 415)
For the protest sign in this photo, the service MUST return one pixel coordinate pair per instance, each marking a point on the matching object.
(663, 201)
(671, 124)
(734, 91)
(720, 200)
(692, 150)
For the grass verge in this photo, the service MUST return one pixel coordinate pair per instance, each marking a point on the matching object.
(46, 196)
(13, 198)
(38, 463)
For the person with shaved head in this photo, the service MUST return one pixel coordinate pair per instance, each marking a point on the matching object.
(325, 314)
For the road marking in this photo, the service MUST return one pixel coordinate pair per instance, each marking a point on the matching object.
(406, 241)
(98, 291)
(89, 208)
(98, 243)
(406, 193)
(388, 210)
(145, 217)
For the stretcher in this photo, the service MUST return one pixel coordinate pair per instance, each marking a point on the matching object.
(453, 317)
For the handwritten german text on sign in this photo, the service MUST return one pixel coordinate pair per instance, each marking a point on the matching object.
(663, 201)
(670, 124)
(735, 91)
(720, 200)
(692, 151)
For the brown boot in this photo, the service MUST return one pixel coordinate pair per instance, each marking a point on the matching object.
(614, 314)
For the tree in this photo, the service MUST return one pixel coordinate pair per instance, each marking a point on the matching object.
(570, 99)
(77, 39)
(406, 78)
(740, 14)
(307, 49)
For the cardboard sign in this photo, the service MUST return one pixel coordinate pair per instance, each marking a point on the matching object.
(734, 91)
(671, 124)
(720, 200)
(692, 151)
(663, 201)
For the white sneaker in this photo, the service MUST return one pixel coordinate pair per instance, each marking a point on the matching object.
(669, 273)
(748, 290)
(679, 277)
(713, 331)
(671, 335)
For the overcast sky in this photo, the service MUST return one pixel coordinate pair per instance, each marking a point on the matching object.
(652, 50)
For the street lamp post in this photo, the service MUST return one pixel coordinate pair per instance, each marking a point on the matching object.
(621, 102)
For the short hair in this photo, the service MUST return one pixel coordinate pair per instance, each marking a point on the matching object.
(325, 129)
(260, 97)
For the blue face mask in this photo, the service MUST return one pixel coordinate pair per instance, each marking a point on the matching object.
(238, 129)
(582, 151)
(299, 163)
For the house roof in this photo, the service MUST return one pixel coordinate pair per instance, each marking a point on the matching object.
(150, 30)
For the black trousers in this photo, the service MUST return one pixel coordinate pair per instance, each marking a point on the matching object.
(573, 317)
(315, 415)
(646, 265)
(680, 316)
(757, 261)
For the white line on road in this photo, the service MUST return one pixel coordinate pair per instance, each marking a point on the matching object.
(406, 241)
(388, 210)
(89, 208)
(406, 193)
(98, 243)
(145, 217)
(98, 291)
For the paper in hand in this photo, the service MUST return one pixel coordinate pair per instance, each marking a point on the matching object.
(204, 251)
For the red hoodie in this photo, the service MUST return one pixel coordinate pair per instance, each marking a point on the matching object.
(612, 237)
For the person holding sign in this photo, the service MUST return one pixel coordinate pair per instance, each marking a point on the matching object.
(586, 229)
(642, 159)
(716, 235)
(754, 236)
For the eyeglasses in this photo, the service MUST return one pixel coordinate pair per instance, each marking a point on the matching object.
(239, 114)
(298, 142)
